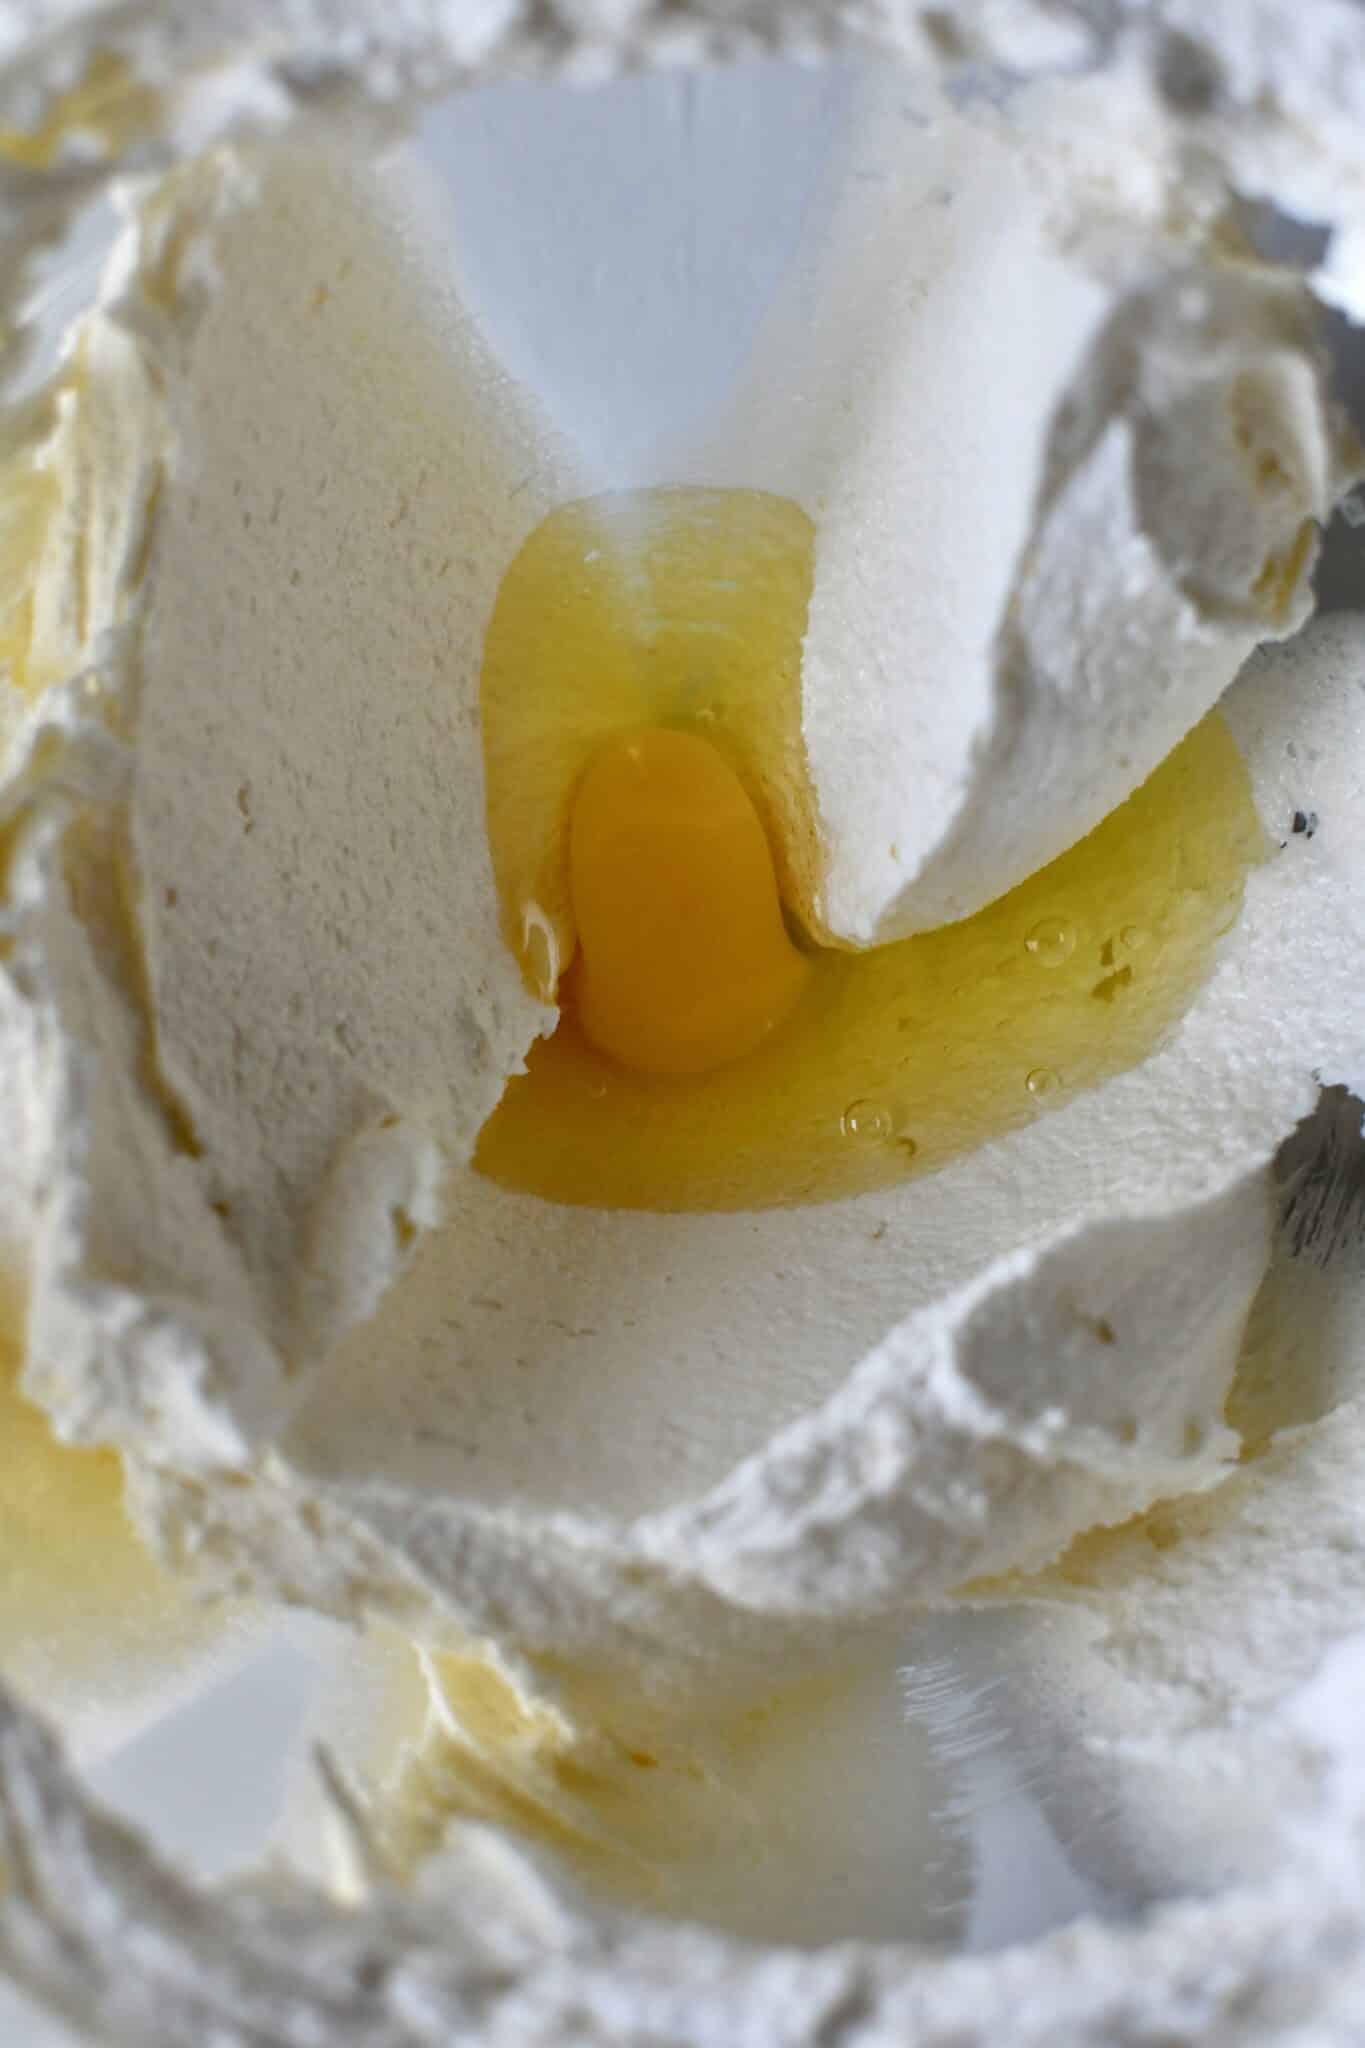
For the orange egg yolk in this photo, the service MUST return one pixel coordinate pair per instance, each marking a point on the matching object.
(684, 960)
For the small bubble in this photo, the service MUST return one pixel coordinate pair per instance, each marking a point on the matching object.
(706, 714)
(869, 1123)
(1042, 1081)
(907, 1147)
(1133, 938)
(1052, 941)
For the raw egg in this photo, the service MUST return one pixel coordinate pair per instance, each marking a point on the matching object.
(648, 808)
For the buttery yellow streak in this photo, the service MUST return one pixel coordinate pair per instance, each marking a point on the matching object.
(653, 1810)
(108, 105)
(28, 497)
(688, 608)
(86, 1613)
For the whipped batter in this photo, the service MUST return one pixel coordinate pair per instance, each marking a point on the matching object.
(259, 1007)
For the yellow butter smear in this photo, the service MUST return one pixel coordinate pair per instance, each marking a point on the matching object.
(107, 109)
(706, 1816)
(686, 609)
(83, 1605)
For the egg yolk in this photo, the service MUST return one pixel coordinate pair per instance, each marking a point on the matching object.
(649, 814)
(684, 960)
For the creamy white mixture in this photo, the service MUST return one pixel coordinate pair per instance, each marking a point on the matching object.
(254, 1009)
